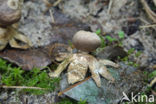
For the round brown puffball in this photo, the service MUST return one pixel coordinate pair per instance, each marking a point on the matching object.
(86, 41)
(10, 12)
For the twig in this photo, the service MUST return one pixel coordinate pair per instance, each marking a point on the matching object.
(22, 87)
(143, 20)
(148, 26)
(57, 2)
(110, 6)
(148, 10)
(146, 22)
(152, 82)
(154, 1)
(51, 15)
(67, 89)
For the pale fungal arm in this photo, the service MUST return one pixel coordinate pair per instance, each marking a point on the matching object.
(2, 45)
(60, 68)
(23, 38)
(109, 63)
(4, 37)
(18, 36)
(77, 69)
(93, 66)
(106, 74)
(3, 41)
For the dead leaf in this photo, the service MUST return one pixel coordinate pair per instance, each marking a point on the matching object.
(27, 59)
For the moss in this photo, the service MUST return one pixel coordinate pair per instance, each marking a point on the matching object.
(15, 76)
(98, 32)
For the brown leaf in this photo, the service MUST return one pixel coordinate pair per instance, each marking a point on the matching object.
(27, 59)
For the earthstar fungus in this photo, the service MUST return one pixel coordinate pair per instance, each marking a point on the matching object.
(79, 63)
(10, 14)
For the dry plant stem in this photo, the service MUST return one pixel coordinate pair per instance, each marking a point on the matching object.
(153, 81)
(110, 6)
(51, 15)
(57, 2)
(22, 87)
(147, 26)
(150, 13)
(146, 22)
(154, 1)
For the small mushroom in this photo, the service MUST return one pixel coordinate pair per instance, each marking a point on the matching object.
(86, 41)
(10, 12)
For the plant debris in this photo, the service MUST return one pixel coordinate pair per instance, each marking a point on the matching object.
(151, 14)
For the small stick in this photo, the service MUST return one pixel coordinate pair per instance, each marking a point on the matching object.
(72, 86)
(57, 2)
(146, 22)
(152, 82)
(51, 15)
(148, 26)
(21, 87)
(110, 6)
